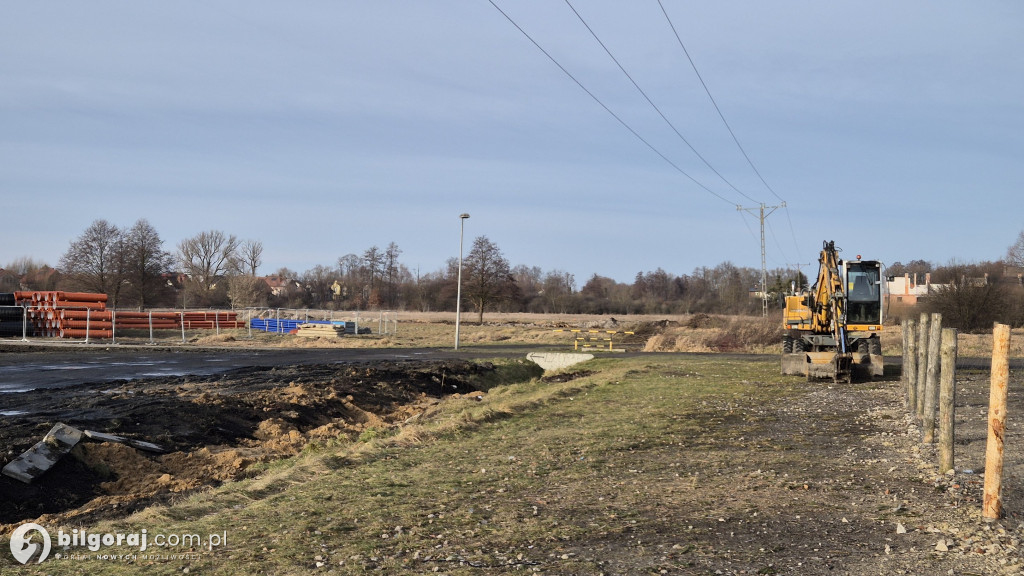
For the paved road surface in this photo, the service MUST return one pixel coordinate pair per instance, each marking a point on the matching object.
(57, 367)
(33, 367)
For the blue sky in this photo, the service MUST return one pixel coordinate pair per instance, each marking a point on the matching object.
(323, 128)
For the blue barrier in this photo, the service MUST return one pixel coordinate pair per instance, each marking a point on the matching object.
(286, 326)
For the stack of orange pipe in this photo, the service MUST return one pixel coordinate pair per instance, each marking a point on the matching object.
(82, 314)
(45, 311)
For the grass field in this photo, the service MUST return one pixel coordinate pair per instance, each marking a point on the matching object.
(701, 465)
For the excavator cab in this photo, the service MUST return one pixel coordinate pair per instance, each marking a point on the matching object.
(863, 300)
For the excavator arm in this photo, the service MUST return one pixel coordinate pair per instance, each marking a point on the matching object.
(829, 308)
(818, 340)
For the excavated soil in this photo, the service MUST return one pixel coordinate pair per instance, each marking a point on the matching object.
(213, 428)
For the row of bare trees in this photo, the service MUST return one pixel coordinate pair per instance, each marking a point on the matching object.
(126, 264)
(132, 268)
(217, 269)
(213, 268)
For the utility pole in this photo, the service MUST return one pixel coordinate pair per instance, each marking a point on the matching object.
(764, 267)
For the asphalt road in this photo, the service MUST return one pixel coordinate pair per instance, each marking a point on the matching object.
(31, 367)
(24, 368)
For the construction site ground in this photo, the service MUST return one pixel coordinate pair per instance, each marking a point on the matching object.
(647, 464)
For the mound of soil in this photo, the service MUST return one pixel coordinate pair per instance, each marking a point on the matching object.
(213, 429)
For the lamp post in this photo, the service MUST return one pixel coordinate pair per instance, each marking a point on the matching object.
(458, 293)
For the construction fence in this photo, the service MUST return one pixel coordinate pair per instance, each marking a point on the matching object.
(85, 317)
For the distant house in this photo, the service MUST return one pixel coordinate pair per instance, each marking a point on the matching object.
(907, 289)
(279, 285)
(338, 290)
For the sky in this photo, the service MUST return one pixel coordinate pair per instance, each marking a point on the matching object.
(325, 128)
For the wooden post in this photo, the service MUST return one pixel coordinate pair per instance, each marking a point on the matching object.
(910, 366)
(922, 363)
(931, 387)
(992, 507)
(947, 399)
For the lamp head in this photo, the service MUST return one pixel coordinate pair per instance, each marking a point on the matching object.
(463, 215)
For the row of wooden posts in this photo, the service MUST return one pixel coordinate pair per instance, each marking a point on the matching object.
(929, 375)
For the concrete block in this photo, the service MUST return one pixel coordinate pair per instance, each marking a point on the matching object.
(557, 360)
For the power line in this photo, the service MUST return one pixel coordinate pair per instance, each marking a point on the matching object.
(721, 115)
(606, 108)
(792, 232)
(712, 98)
(775, 238)
(653, 105)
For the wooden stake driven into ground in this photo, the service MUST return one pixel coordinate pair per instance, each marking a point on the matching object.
(992, 507)
(931, 386)
(947, 399)
(922, 363)
(910, 364)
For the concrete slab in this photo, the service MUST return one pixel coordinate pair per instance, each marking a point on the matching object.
(557, 360)
(41, 457)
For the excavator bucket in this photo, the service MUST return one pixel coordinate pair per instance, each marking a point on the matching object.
(819, 365)
(794, 364)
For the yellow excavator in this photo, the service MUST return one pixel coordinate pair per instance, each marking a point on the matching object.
(833, 329)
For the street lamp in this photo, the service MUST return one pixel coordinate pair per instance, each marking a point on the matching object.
(458, 294)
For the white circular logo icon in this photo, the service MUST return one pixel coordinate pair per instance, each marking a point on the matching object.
(22, 546)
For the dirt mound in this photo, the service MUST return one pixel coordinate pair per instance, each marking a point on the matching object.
(214, 428)
(704, 333)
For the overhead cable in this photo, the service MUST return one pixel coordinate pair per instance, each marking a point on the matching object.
(713, 102)
(653, 105)
(606, 108)
(721, 115)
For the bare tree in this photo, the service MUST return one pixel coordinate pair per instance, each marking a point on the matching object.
(26, 273)
(528, 278)
(207, 258)
(391, 273)
(373, 263)
(1015, 253)
(558, 289)
(94, 262)
(486, 276)
(250, 256)
(146, 263)
(245, 291)
(318, 281)
(24, 265)
(348, 266)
